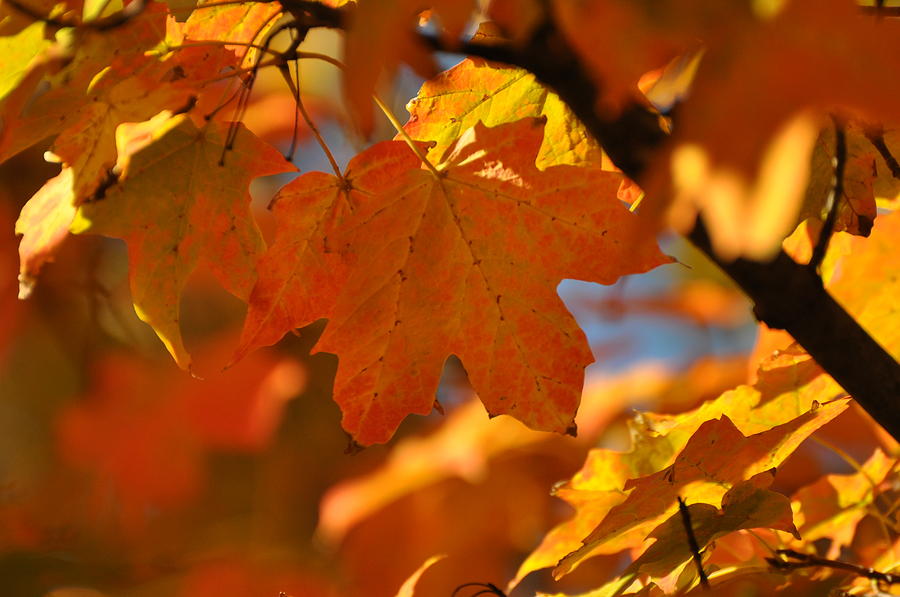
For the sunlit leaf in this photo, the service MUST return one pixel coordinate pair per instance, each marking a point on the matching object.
(201, 215)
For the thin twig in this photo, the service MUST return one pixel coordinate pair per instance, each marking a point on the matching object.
(229, 3)
(487, 589)
(218, 43)
(875, 134)
(309, 121)
(692, 542)
(417, 149)
(794, 560)
(317, 56)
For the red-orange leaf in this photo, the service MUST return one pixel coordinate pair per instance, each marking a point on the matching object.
(467, 262)
(302, 272)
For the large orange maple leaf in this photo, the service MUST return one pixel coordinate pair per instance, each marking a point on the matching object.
(463, 259)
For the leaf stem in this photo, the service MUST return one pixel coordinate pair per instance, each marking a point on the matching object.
(762, 541)
(637, 203)
(230, 3)
(417, 149)
(295, 90)
(218, 43)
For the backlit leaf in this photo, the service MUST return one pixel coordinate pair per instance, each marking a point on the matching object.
(702, 473)
(17, 53)
(200, 210)
(857, 208)
(479, 91)
(833, 506)
(82, 68)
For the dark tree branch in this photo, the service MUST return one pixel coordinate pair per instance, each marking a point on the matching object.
(315, 14)
(486, 589)
(786, 295)
(794, 560)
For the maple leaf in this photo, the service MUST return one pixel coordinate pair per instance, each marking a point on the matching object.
(301, 274)
(88, 145)
(831, 507)
(702, 473)
(465, 263)
(122, 75)
(486, 304)
(476, 90)
(239, 24)
(155, 82)
(787, 387)
(593, 492)
(747, 505)
(176, 206)
(86, 104)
